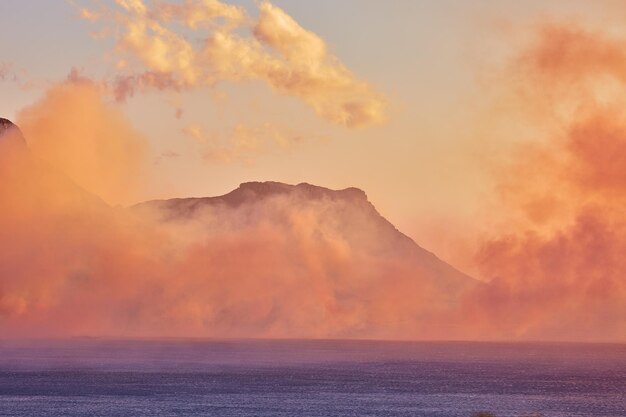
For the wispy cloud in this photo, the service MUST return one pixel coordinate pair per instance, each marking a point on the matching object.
(242, 143)
(174, 46)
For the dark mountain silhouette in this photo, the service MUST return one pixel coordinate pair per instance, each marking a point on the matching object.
(11, 138)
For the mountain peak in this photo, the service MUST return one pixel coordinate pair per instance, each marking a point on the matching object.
(319, 222)
(257, 191)
(11, 135)
(6, 126)
(265, 187)
(268, 188)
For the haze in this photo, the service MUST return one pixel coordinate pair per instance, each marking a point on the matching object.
(492, 133)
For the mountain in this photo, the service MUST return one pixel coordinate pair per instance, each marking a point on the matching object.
(265, 260)
(12, 143)
(343, 218)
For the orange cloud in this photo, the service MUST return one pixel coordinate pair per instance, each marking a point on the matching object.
(74, 130)
(195, 14)
(556, 267)
(242, 143)
(279, 51)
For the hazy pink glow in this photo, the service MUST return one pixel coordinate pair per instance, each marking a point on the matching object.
(72, 129)
(285, 266)
(557, 266)
(75, 263)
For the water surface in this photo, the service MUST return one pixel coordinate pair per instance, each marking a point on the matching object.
(93, 377)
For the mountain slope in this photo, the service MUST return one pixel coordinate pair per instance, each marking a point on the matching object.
(342, 219)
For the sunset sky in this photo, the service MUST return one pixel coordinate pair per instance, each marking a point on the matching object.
(491, 132)
(430, 62)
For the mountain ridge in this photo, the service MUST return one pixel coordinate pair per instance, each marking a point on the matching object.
(265, 189)
(351, 205)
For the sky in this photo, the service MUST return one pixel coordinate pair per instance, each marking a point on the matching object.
(491, 132)
(426, 58)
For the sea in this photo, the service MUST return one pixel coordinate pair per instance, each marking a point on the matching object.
(180, 377)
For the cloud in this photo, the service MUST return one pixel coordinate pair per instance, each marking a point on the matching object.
(555, 264)
(195, 132)
(195, 14)
(276, 50)
(242, 143)
(73, 129)
(88, 15)
(18, 76)
(5, 71)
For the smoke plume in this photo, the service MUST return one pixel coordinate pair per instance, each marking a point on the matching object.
(556, 266)
(73, 129)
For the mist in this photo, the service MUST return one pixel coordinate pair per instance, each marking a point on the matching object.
(308, 263)
(554, 259)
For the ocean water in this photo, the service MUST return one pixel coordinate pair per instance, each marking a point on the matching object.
(93, 377)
